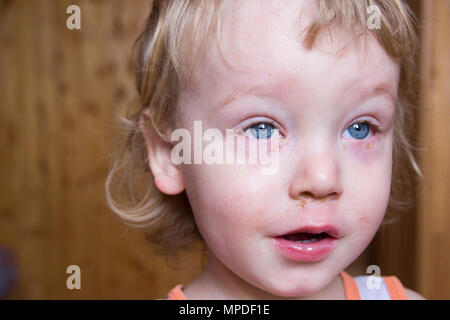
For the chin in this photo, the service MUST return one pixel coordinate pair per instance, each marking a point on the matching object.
(297, 288)
(297, 291)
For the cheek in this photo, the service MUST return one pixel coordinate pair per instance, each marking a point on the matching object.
(369, 219)
(368, 167)
(369, 160)
(367, 151)
(227, 200)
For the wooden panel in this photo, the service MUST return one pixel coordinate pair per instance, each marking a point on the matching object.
(394, 248)
(60, 89)
(434, 200)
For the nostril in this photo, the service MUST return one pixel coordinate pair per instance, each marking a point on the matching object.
(309, 196)
(306, 194)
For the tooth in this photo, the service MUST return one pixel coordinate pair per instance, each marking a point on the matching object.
(308, 241)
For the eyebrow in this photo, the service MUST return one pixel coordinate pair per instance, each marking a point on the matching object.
(367, 92)
(236, 93)
(380, 89)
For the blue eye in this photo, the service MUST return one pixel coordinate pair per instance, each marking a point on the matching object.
(262, 130)
(359, 130)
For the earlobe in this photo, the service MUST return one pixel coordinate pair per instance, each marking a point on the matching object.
(167, 175)
(170, 186)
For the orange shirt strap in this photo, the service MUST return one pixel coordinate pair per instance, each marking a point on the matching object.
(393, 285)
(176, 293)
(350, 287)
(395, 288)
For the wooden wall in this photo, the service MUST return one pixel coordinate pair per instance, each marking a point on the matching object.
(59, 91)
(394, 248)
(433, 245)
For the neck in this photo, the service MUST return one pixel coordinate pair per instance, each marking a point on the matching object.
(217, 282)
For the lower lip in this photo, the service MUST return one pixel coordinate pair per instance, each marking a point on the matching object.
(305, 252)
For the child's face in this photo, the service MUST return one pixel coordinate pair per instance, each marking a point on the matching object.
(330, 174)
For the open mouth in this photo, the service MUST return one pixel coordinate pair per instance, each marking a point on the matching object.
(308, 244)
(306, 237)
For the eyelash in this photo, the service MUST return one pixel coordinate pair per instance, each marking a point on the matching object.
(373, 126)
(271, 122)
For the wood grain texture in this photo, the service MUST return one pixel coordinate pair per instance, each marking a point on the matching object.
(434, 201)
(60, 90)
(394, 248)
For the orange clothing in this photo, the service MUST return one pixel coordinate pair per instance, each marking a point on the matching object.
(393, 286)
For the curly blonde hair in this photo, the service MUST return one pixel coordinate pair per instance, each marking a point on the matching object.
(173, 40)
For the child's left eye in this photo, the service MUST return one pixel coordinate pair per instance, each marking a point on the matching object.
(262, 130)
(359, 130)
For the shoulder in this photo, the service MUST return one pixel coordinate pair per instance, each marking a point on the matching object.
(412, 295)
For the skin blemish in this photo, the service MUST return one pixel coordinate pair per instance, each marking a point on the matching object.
(367, 146)
(362, 219)
(309, 200)
(302, 203)
(344, 147)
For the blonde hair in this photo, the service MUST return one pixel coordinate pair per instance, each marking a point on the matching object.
(176, 30)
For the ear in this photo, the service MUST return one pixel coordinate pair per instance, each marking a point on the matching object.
(167, 175)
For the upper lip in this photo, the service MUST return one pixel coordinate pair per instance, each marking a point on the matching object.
(330, 230)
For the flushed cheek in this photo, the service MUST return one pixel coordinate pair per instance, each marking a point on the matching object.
(366, 151)
(236, 230)
(235, 202)
(374, 208)
(366, 227)
(248, 211)
(254, 210)
(370, 208)
(366, 179)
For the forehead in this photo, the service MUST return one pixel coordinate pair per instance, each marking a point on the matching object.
(263, 47)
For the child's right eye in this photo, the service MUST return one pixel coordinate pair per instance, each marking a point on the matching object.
(261, 130)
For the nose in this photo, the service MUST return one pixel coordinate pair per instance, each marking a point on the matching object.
(317, 177)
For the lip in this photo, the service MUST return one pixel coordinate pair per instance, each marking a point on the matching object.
(308, 252)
